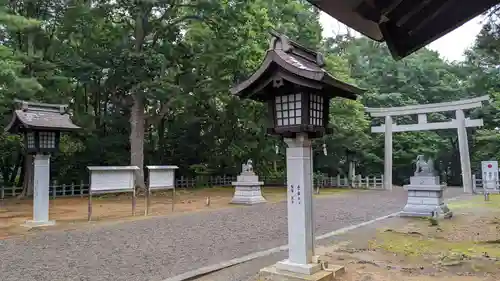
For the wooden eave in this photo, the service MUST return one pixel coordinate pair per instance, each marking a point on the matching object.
(405, 25)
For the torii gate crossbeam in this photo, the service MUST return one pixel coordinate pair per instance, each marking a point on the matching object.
(460, 123)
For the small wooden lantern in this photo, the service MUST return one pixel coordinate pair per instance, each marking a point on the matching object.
(297, 89)
(41, 124)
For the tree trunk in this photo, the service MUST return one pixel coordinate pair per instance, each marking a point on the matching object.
(137, 122)
(15, 170)
(27, 176)
(161, 146)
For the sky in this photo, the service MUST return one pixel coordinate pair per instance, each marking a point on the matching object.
(450, 47)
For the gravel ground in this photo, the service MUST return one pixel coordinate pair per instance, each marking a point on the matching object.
(248, 271)
(158, 248)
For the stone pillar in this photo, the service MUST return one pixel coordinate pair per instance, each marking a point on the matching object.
(463, 146)
(41, 192)
(388, 154)
(311, 217)
(300, 208)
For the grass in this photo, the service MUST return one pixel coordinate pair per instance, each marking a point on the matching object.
(435, 241)
(476, 202)
(415, 245)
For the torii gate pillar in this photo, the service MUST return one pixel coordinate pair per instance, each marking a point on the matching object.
(460, 123)
(463, 147)
(388, 154)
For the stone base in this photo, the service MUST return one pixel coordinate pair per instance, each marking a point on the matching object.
(425, 211)
(307, 269)
(424, 180)
(32, 224)
(248, 193)
(425, 196)
(273, 273)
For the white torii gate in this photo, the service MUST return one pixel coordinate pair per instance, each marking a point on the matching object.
(460, 123)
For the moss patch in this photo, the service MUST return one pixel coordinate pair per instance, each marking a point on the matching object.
(477, 202)
(420, 245)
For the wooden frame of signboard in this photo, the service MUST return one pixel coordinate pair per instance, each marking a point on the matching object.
(160, 178)
(111, 179)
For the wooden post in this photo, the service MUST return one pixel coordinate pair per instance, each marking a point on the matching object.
(367, 183)
(133, 202)
(54, 189)
(90, 197)
(173, 199)
(338, 180)
(473, 183)
(359, 181)
(147, 201)
(90, 206)
(81, 188)
(63, 189)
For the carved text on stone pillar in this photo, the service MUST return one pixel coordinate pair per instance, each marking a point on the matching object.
(298, 194)
(295, 195)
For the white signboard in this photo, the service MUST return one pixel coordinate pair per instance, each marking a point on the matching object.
(489, 170)
(161, 177)
(104, 179)
(108, 179)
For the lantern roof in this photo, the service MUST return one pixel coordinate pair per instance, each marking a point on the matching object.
(40, 116)
(406, 25)
(288, 60)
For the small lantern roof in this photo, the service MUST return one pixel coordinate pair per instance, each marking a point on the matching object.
(290, 61)
(40, 116)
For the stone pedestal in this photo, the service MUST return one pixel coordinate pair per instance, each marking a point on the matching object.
(247, 189)
(273, 273)
(425, 196)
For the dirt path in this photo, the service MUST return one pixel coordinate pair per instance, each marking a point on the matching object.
(158, 248)
(162, 247)
(71, 212)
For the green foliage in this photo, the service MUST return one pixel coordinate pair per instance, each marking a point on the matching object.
(180, 61)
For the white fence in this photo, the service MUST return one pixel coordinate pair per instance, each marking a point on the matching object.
(55, 190)
(478, 185)
(368, 182)
(82, 189)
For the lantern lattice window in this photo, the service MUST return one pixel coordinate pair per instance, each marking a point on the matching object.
(316, 110)
(288, 109)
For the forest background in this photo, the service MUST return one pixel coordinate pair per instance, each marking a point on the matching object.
(148, 81)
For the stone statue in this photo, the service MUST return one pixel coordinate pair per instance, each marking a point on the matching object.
(424, 167)
(425, 193)
(247, 186)
(248, 167)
